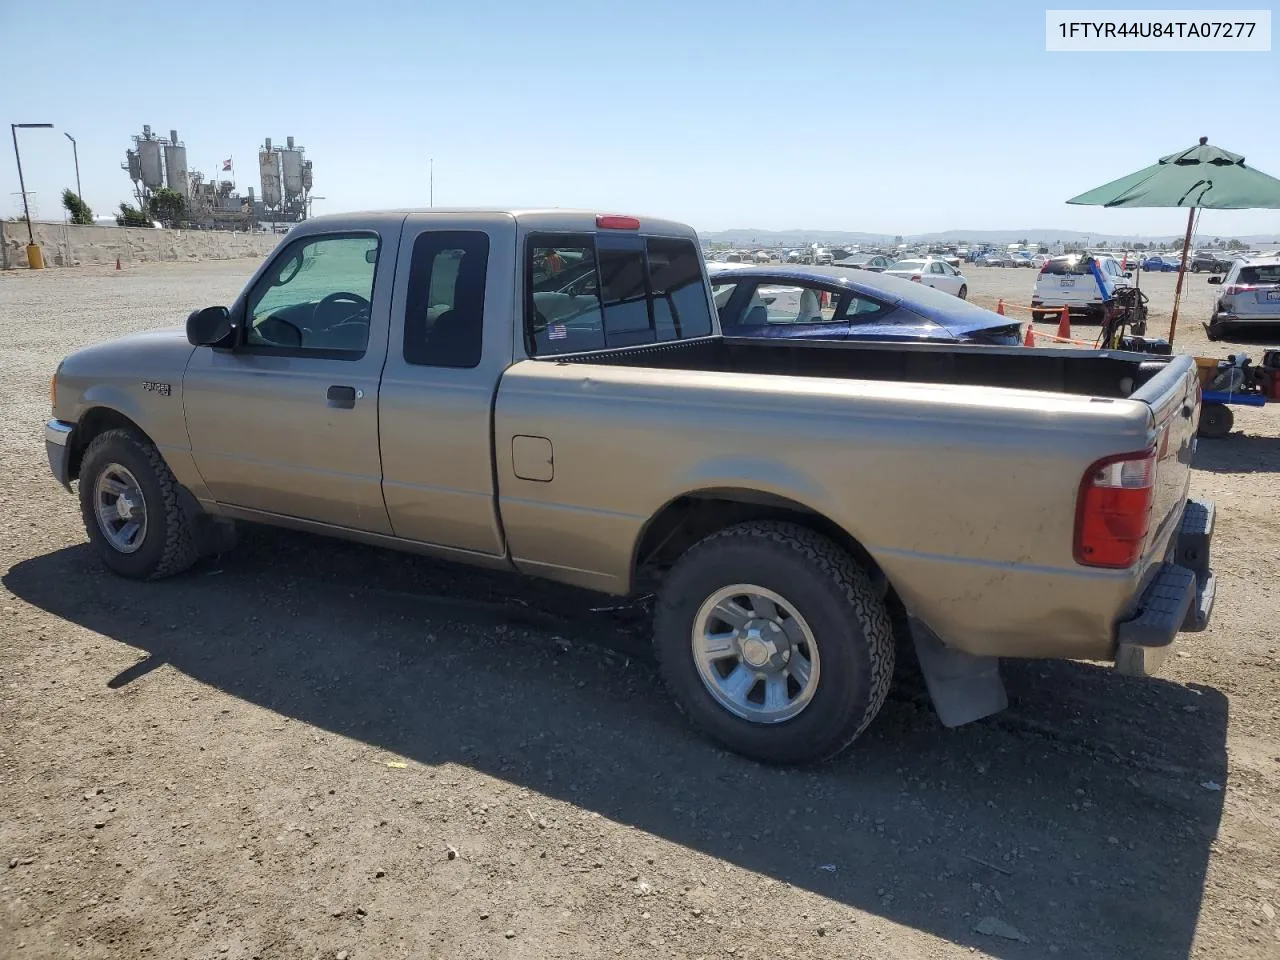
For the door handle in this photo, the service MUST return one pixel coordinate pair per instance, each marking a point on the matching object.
(343, 398)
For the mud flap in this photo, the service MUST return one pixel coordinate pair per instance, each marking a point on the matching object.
(963, 688)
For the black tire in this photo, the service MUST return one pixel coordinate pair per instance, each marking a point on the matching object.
(1215, 331)
(1216, 420)
(849, 621)
(964, 291)
(169, 544)
(1195, 268)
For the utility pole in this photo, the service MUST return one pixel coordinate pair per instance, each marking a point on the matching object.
(432, 181)
(35, 260)
(76, 154)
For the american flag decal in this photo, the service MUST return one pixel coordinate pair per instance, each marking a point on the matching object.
(557, 331)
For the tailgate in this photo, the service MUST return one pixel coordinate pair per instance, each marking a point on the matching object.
(1174, 398)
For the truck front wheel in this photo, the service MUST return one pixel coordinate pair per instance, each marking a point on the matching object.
(131, 507)
(773, 641)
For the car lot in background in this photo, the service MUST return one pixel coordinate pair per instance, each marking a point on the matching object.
(997, 259)
(832, 303)
(931, 272)
(1022, 260)
(1250, 297)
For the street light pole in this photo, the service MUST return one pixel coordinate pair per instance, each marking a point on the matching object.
(76, 154)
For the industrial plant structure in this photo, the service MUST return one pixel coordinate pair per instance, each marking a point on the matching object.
(286, 176)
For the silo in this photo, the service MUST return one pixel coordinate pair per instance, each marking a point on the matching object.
(291, 162)
(269, 165)
(306, 176)
(175, 166)
(149, 162)
(134, 165)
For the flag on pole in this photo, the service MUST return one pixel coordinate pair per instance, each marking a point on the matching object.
(226, 165)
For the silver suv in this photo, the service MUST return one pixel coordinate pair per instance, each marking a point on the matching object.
(1250, 295)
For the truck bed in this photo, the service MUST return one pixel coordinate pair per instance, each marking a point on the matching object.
(1094, 373)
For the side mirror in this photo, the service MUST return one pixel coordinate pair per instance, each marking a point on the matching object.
(1128, 274)
(1215, 280)
(208, 327)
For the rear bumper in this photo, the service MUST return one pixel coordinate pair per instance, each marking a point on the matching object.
(1179, 599)
(1244, 319)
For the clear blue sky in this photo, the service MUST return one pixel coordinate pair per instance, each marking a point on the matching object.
(884, 117)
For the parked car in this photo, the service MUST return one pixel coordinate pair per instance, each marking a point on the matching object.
(1085, 284)
(1022, 260)
(794, 256)
(863, 261)
(421, 381)
(1039, 260)
(998, 259)
(830, 303)
(931, 272)
(1160, 263)
(1250, 296)
(1208, 260)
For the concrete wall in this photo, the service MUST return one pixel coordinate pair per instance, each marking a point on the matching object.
(65, 245)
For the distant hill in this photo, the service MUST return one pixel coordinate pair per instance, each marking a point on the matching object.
(769, 238)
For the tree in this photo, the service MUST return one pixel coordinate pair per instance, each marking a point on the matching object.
(897, 239)
(132, 217)
(168, 206)
(79, 210)
(1234, 244)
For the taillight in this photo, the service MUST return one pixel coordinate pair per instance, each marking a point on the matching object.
(613, 222)
(915, 278)
(1114, 510)
(1235, 288)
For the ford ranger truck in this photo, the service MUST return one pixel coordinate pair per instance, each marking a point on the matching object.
(549, 392)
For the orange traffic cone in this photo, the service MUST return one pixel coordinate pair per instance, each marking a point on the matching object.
(117, 263)
(1064, 325)
(1000, 307)
(1030, 339)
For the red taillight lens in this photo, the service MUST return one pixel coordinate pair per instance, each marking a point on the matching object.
(1235, 288)
(612, 222)
(915, 278)
(1114, 510)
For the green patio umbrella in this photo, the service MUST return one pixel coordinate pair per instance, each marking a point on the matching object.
(1200, 176)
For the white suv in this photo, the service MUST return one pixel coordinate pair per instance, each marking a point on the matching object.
(1086, 285)
(1250, 294)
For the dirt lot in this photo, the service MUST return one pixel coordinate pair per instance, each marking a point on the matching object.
(311, 749)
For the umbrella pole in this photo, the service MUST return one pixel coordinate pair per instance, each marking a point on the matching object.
(1182, 272)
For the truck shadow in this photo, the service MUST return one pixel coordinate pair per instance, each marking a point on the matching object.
(1239, 453)
(1083, 816)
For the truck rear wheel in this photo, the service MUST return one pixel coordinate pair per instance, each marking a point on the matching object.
(773, 641)
(131, 507)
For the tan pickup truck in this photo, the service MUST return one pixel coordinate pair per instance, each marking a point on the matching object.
(548, 392)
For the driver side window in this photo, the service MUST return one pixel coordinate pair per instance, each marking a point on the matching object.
(315, 299)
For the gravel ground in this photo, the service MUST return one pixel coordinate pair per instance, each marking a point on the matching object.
(314, 749)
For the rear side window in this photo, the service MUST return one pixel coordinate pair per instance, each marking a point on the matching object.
(584, 295)
(444, 311)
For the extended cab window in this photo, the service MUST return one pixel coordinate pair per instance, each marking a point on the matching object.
(315, 298)
(444, 311)
(585, 295)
